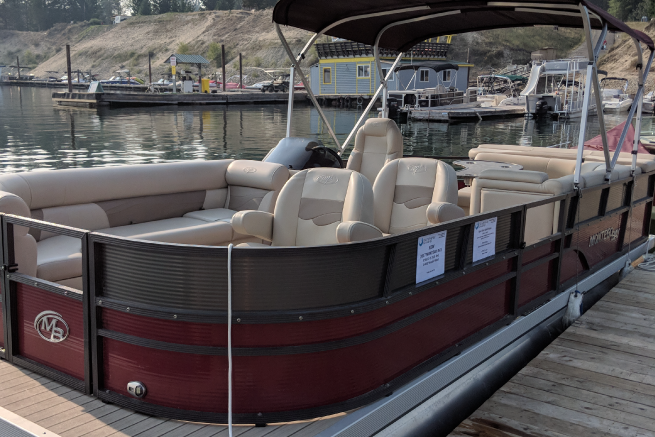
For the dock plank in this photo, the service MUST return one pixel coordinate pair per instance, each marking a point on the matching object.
(597, 378)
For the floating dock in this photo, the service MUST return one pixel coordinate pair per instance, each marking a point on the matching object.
(597, 378)
(447, 114)
(76, 86)
(93, 100)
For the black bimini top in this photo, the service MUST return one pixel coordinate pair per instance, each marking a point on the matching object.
(436, 66)
(409, 22)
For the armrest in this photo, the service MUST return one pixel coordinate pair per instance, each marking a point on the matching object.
(348, 232)
(12, 204)
(439, 212)
(255, 223)
(527, 176)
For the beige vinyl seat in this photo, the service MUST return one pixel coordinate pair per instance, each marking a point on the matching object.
(410, 193)
(316, 207)
(378, 142)
(187, 202)
(494, 190)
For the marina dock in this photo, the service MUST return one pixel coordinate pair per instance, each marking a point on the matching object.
(116, 99)
(451, 115)
(597, 378)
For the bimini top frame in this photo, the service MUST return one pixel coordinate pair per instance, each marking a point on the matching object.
(367, 21)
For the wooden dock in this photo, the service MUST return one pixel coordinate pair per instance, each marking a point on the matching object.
(117, 99)
(36, 403)
(458, 115)
(596, 379)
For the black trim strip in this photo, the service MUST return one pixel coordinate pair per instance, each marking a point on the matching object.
(45, 226)
(44, 285)
(309, 348)
(48, 372)
(310, 413)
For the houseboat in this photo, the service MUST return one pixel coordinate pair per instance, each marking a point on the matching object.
(305, 285)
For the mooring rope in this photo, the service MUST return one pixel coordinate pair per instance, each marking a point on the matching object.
(229, 339)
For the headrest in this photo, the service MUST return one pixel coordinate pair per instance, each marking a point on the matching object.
(257, 174)
(379, 127)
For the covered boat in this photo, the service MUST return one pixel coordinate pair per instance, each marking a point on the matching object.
(260, 292)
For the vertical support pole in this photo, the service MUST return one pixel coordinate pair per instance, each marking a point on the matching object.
(7, 301)
(149, 69)
(223, 66)
(290, 105)
(78, 76)
(520, 246)
(633, 108)
(96, 343)
(241, 73)
(3, 291)
(86, 316)
(68, 68)
(305, 82)
(18, 66)
(583, 124)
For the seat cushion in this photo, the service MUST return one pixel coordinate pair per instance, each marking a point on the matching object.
(153, 226)
(212, 215)
(59, 258)
(181, 230)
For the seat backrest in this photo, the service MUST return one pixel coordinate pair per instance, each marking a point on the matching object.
(314, 202)
(404, 189)
(254, 185)
(377, 142)
(553, 167)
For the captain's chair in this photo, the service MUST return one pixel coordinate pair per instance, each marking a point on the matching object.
(377, 142)
(410, 193)
(316, 207)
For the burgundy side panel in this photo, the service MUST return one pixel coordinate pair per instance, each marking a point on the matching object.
(536, 281)
(291, 382)
(571, 265)
(286, 334)
(539, 252)
(66, 356)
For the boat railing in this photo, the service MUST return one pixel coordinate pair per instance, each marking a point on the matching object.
(156, 313)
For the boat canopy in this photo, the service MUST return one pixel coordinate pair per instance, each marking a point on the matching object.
(436, 66)
(413, 21)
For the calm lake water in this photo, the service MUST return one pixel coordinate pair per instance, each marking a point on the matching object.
(36, 134)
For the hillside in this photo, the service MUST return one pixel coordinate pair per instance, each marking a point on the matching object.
(104, 49)
(621, 59)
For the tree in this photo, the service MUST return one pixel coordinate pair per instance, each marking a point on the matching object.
(225, 5)
(183, 49)
(145, 8)
(626, 9)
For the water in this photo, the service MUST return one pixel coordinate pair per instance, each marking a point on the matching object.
(35, 134)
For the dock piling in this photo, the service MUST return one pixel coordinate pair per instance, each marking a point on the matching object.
(240, 73)
(68, 68)
(223, 65)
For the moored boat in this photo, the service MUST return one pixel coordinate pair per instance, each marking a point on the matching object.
(302, 286)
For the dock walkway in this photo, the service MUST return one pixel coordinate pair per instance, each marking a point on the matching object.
(34, 402)
(596, 379)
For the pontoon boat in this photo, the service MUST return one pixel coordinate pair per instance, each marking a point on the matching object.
(260, 292)
(616, 99)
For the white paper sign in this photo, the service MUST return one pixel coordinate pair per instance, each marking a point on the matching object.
(173, 61)
(484, 239)
(430, 256)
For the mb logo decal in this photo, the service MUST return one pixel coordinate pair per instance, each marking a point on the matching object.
(51, 326)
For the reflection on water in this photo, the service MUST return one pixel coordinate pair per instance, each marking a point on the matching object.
(36, 134)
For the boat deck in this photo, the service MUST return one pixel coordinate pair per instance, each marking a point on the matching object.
(597, 378)
(33, 402)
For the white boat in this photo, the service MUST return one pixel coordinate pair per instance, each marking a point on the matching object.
(616, 99)
(648, 105)
(556, 88)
